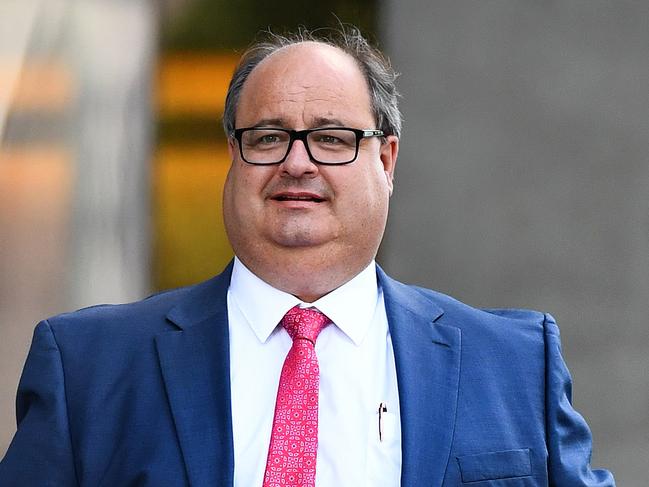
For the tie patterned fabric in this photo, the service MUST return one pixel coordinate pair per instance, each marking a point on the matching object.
(294, 439)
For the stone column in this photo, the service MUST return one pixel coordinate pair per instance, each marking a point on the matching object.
(112, 49)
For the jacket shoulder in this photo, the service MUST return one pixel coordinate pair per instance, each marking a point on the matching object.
(146, 312)
(111, 323)
(454, 306)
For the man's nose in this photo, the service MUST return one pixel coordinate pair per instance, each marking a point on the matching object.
(298, 163)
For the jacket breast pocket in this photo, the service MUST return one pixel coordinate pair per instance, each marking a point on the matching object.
(495, 465)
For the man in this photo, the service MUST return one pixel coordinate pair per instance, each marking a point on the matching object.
(303, 363)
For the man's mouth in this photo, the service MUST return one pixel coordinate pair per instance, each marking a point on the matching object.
(298, 197)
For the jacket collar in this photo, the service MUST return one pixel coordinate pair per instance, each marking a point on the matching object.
(203, 301)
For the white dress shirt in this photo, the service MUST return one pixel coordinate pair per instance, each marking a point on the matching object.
(357, 373)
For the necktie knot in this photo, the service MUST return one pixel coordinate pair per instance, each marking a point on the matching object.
(304, 323)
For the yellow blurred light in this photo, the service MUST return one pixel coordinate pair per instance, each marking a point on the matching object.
(193, 84)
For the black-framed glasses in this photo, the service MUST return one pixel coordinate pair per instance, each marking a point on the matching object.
(330, 146)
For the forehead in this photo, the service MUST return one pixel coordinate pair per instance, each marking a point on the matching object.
(302, 83)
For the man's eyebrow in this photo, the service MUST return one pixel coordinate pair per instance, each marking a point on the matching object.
(270, 122)
(322, 121)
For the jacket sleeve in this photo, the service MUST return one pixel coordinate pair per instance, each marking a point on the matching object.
(40, 453)
(568, 436)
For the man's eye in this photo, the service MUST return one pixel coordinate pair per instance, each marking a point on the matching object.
(268, 139)
(328, 139)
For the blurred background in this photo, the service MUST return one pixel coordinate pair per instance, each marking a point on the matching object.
(523, 177)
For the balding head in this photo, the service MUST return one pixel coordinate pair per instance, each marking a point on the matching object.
(376, 69)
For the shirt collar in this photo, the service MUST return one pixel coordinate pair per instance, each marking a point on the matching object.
(351, 307)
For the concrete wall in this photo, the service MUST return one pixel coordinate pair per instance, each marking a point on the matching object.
(523, 181)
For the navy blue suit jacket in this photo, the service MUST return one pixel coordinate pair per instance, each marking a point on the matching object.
(139, 395)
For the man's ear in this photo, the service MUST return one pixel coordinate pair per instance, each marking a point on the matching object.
(388, 155)
(231, 147)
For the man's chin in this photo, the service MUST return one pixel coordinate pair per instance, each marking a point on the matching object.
(303, 236)
(299, 240)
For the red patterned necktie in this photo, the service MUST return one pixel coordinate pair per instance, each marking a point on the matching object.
(294, 439)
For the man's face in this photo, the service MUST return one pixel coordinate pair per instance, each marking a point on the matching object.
(298, 209)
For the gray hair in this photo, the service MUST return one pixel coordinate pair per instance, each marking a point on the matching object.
(374, 65)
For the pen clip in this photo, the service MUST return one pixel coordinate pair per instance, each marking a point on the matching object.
(383, 408)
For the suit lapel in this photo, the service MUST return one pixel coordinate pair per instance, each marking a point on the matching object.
(195, 364)
(427, 356)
